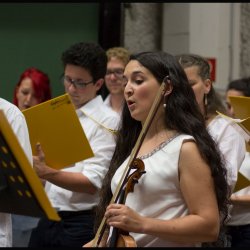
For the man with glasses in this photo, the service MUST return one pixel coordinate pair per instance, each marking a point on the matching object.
(73, 191)
(117, 59)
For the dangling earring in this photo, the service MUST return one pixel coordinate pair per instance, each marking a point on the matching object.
(165, 102)
(168, 91)
(205, 100)
(205, 106)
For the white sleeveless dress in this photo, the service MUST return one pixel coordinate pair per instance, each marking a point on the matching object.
(158, 194)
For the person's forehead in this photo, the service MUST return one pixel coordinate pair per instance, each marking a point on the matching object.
(235, 92)
(75, 71)
(115, 62)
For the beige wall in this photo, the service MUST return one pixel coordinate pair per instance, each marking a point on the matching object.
(219, 30)
(142, 29)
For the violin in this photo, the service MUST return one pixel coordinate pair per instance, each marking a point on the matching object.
(118, 237)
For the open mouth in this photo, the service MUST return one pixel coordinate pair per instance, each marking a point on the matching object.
(130, 104)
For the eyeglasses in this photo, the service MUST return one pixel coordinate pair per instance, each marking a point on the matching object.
(117, 72)
(78, 84)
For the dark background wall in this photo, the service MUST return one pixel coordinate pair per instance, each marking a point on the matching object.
(36, 34)
(111, 25)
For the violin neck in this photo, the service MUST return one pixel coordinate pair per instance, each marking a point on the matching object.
(113, 238)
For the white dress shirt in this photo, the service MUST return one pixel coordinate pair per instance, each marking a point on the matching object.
(95, 118)
(231, 144)
(240, 214)
(107, 102)
(19, 126)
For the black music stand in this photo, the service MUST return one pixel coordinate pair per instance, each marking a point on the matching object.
(21, 190)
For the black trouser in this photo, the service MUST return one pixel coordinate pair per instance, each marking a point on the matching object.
(74, 230)
(240, 235)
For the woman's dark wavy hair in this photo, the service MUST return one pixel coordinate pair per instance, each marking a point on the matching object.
(182, 114)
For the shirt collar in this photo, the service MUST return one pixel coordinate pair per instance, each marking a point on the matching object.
(91, 106)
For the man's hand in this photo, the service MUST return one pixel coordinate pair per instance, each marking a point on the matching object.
(39, 164)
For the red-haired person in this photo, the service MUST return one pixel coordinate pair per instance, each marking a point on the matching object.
(32, 88)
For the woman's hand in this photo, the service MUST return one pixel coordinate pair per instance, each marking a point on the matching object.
(123, 217)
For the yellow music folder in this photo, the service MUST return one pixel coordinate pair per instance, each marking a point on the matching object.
(242, 182)
(21, 190)
(56, 126)
(241, 106)
(242, 126)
